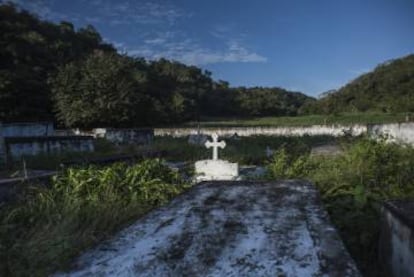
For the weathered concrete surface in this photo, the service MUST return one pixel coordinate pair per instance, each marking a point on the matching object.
(120, 136)
(207, 170)
(227, 229)
(398, 132)
(396, 246)
(16, 147)
(27, 129)
(330, 130)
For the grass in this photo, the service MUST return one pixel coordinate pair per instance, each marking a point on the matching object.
(50, 225)
(340, 119)
(244, 150)
(353, 186)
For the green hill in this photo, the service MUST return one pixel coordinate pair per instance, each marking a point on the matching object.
(54, 71)
(388, 88)
(30, 51)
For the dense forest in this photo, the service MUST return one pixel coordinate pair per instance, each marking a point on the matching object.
(388, 88)
(71, 76)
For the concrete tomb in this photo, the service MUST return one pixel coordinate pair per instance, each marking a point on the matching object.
(216, 169)
(396, 245)
(33, 138)
(227, 228)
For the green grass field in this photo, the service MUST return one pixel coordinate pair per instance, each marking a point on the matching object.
(340, 119)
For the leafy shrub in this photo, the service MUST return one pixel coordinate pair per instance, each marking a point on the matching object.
(51, 225)
(353, 186)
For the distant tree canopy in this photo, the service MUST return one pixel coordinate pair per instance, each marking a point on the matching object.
(253, 102)
(54, 72)
(104, 88)
(30, 51)
(388, 88)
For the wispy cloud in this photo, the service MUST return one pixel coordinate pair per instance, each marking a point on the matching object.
(126, 12)
(156, 29)
(122, 12)
(359, 71)
(190, 52)
(43, 9)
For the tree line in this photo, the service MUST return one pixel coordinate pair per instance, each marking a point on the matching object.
(53, 71)
(71, 76)
(389, 88)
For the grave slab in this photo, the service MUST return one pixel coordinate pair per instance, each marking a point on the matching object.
(227, 228)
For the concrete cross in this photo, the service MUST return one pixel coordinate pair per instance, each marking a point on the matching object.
(215, 144)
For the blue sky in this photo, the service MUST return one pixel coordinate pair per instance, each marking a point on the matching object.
(304, 45)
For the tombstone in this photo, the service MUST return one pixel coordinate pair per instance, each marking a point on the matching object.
(197, 139)
(216, 169)
(269, 152)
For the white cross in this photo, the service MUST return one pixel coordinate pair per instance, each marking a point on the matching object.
(215, 144)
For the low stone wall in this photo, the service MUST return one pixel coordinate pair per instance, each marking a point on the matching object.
(396, 245)
(398, 132)
(27, 129)
(331, 130)
(126, 136)
(121, 136)
(17, 147)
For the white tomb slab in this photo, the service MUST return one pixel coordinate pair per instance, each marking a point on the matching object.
(216, 169)
(278, 229)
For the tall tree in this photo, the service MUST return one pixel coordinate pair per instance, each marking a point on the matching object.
(30, 51)
(104, 90)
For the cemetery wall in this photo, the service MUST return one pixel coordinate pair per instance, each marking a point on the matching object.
(121, 136)
(398, 132)
(332, 130)
(16, 147)
(28, 129)
(126, 136)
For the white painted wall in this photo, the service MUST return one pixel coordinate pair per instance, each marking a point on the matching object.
(332, 130)
(120, 136)
(398, 132)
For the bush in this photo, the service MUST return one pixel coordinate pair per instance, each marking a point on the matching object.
(50, 226)
(353, 186)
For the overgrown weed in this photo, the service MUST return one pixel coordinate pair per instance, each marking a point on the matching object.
(50, 225)
(353, 186)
